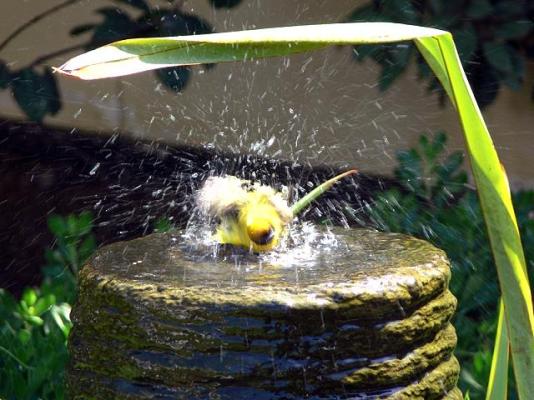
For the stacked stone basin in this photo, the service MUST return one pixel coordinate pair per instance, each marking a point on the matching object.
(369, 319)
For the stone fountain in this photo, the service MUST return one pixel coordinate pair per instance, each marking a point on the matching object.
(369, 319)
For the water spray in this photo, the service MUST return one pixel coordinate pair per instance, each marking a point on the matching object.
(253, 216)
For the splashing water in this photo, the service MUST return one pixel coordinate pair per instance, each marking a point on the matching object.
(302, 245)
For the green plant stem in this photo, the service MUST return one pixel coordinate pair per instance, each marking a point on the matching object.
(318, 191)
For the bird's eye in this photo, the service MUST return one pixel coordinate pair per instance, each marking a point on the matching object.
(261, 236)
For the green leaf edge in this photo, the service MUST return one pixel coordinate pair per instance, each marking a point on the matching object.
(498, 379)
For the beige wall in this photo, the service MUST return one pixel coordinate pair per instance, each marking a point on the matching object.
(320, 107)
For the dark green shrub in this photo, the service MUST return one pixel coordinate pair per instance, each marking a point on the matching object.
(494, 40)
(35, 328)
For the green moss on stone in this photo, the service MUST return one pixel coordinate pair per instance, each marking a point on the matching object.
(373, 316)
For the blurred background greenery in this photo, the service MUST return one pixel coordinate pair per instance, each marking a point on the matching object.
(437, 205)
(35, 327)
(494, 40)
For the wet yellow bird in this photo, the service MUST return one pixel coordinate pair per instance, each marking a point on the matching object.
(252, 216)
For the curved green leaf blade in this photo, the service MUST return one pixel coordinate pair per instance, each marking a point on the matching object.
(495, 199)
(498, 380)
(136, 55)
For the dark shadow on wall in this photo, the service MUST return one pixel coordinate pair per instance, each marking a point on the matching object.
(128, 186)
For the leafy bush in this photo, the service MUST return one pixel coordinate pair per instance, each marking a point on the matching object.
(435, 204)
(494, 40)
(34, 329)
(74, 245)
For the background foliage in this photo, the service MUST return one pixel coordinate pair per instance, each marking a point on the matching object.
(34, 87)
(34, 329)
(495, 38)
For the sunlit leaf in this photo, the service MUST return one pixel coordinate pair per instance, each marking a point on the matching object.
(34, 320)
(44, 303)
(498, 380)
(29, 297)
(60, 315)
(136, 55)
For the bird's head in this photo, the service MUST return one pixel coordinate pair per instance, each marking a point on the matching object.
(257, 222)
(261, 230)
(262, 222)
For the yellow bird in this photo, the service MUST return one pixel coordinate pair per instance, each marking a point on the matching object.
(252, 216)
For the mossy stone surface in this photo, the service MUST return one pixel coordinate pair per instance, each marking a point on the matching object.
(369, 319)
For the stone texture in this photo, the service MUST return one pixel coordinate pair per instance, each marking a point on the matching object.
(370, 319)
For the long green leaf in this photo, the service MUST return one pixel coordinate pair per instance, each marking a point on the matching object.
(498, 379)
(136, 55)
(438, 49)
(496, 203)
